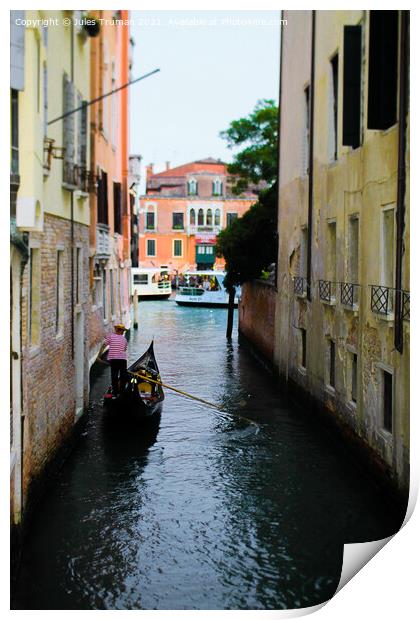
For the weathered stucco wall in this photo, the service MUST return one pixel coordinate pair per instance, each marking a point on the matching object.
(256, 316)
(361, 183)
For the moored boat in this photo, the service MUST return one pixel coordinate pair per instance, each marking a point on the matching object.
(206, 290)
(151, 283)
(141, 398)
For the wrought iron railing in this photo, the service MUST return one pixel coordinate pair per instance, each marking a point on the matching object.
(382, 299)
(327, 290)
(406, 305)
(349, 294)
(299, 286)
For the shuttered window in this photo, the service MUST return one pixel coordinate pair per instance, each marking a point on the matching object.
(82, 133)
(352, 82)
(102, 199)
(117, 208)
(383, 73)
(68, 132)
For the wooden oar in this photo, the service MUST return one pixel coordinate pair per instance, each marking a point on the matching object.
(200, 400)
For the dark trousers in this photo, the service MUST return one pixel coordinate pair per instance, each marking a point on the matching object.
(119, 376)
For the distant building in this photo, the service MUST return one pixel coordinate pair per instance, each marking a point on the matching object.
(134, 177)
(182, 213)
(342, 332)
(110, 216)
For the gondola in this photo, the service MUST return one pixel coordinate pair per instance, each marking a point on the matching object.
(139, 399)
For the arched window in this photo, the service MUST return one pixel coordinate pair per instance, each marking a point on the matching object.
(209, 218)
(200, 220)
(217, 217)
(192, 217)
(192, 187)
(217, 187)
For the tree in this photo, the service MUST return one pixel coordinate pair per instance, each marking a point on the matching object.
(257, 134)
(249, 244)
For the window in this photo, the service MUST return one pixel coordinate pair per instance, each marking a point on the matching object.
(117, 208)
(383, 72)
(68, 132)
(38, 74)
(112, 291)
(151, 247)
(303, 348)
(388, 254)
(102, 198)
(353, 393)
(104, 294)
(178, 221)
(303, 252)
(177, 250)
(192, 187)
(82, 133)
(150, 220)
(387, 400)
(333, 105)
(34, 295)
(217, 187)
(59, 292)
(140, 278)
(306, 130)
(217, 217)
(209, 218)
(192, 217)
(230, 218)
(332, 251)
(353, 264)
(352, 85)
(45, 95)
(331, 369)
(200, 220)
(79, 275)
(14, 160)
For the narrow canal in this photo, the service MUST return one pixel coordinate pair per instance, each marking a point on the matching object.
(206, 513)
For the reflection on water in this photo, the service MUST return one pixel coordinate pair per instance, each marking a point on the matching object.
(200, 511)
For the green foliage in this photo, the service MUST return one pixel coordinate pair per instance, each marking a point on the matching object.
(257, 135)
(249, 244)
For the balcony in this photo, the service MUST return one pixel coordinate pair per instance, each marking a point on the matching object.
(349, 295)
(299, 286)
(102, 241)
(382, 300)
(327, 290)
(195, 229)
(405, 305)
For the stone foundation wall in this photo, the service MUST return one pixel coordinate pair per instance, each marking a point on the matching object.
(257, 314)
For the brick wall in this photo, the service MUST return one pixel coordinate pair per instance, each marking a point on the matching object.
(48, 369)
(256, 316)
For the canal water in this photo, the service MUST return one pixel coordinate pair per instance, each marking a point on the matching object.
(207, 511)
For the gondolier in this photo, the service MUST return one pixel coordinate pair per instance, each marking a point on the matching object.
(117, 358)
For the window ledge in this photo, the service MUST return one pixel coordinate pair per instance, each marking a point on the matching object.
(332, 302)
(354, 308)
(302, 370)
(330, 390)
(351, 406)
(387, 318)
(386, 436)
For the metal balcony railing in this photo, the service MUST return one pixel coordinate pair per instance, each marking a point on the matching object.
(327, 290)
(382, 299)
(299, 286)
(349, 294)
(405, 305)
(102, 241)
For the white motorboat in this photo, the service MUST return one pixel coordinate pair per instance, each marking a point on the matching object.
(150, 282)
(204, 288)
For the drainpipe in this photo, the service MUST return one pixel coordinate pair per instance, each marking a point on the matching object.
(402, 144)
(72, 213)
(311, 162)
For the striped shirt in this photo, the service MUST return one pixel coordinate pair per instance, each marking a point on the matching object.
(117, 347)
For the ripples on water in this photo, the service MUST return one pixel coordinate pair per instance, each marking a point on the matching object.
(204, 512)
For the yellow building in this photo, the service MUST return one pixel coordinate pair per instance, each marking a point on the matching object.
(342, 313)
(52, 182)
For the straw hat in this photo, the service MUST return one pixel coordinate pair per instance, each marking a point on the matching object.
(120, 326)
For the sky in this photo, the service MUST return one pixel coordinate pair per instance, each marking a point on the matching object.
(214, 67)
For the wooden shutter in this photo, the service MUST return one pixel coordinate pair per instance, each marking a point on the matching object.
(352, 82)
(383, 74)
